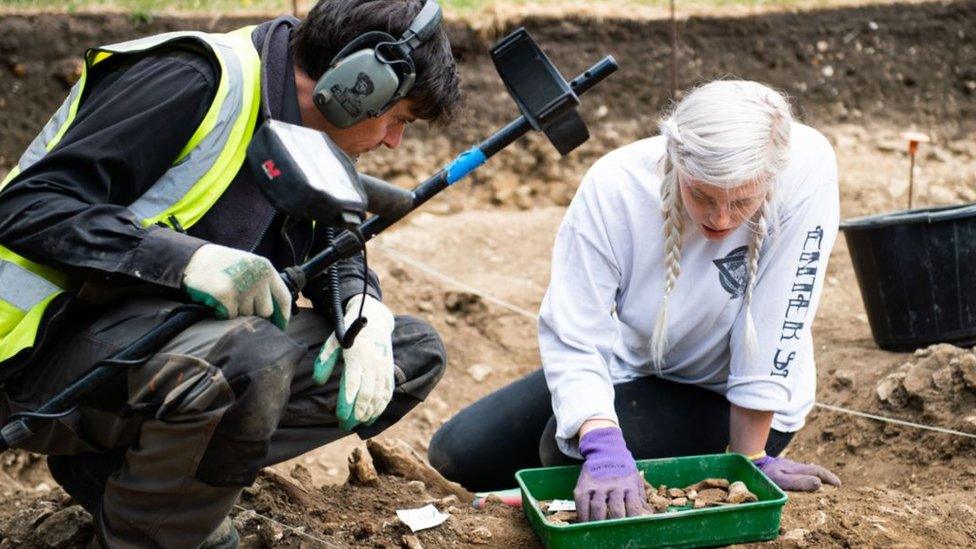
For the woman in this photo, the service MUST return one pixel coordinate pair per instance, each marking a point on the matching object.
(685, 279)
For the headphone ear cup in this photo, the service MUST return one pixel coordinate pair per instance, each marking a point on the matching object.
(357, 85)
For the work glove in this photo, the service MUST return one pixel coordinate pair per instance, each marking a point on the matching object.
(366, 386)
(797, 477)
(237, 283)
(609, 485)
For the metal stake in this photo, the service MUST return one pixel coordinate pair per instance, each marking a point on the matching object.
(911, 172)
(913, 138)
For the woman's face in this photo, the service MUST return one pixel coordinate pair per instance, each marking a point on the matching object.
(717, 211)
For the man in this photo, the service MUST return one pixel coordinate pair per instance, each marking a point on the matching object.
(160, 455)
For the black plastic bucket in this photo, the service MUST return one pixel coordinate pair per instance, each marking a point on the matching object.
(917, 273)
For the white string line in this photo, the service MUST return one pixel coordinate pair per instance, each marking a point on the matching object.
(298, 531)
(453, 281)
(893, 420)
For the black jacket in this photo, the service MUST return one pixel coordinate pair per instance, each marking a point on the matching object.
(68, 210)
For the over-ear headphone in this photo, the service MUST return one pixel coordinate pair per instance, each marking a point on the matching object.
(373, 72)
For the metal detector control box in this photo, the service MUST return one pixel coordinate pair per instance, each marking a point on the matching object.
(304, 174)
(546, 100)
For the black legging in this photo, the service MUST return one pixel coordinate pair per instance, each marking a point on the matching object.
(513, 428)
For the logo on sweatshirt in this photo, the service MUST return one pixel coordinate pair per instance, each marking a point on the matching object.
(733, 273)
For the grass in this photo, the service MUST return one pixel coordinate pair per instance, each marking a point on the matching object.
(152, 5)
(463, 7)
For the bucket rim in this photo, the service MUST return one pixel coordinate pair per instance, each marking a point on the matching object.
(909, 217)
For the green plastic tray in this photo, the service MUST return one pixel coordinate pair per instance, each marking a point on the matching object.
(707, 527)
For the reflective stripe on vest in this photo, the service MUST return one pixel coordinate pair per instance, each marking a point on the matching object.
(22, 288)
(52, 132)
(199, 175)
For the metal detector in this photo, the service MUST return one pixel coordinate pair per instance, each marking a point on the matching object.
(305, 175)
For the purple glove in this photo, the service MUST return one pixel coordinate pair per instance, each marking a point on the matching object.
(609, 479)
(797, 477)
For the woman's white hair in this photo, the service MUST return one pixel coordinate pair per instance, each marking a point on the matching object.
(725, 133)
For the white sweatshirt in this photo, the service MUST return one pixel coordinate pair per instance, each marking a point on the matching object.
(607, 285)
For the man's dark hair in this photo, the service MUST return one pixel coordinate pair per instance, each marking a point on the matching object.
(332, 24)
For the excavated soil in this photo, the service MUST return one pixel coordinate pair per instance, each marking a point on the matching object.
(890, 68)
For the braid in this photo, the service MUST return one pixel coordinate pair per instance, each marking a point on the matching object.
(673, 211)
(759, 233)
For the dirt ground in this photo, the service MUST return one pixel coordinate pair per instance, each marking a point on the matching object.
(891, 68)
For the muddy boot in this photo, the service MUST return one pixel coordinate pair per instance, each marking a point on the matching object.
(224, 537)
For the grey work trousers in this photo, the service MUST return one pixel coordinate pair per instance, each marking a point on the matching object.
(172, 443)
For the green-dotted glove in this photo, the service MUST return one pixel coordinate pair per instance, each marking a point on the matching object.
(366, 386)
(237, 283)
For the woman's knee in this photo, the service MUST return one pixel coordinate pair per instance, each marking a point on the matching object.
(484, 444)
(458, 449)
(445, 455)
(549, 452)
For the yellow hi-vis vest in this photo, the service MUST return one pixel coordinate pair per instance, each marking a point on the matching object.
(199, 175)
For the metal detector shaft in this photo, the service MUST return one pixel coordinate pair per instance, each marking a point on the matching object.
(346, 244)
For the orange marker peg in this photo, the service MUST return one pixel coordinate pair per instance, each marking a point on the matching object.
(913, 138)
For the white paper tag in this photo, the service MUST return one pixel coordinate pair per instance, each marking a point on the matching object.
(561, 505)
(422, 518)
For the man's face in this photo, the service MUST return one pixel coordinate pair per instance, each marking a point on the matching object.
(362, 137)
(717, 211)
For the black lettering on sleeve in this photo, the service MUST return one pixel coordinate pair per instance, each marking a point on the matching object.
(790, 330)
(800, 300)
(781, 366)
(802, 288)
(814, 237)
(798, 305)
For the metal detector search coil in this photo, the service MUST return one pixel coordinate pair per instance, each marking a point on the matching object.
(546, 100)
